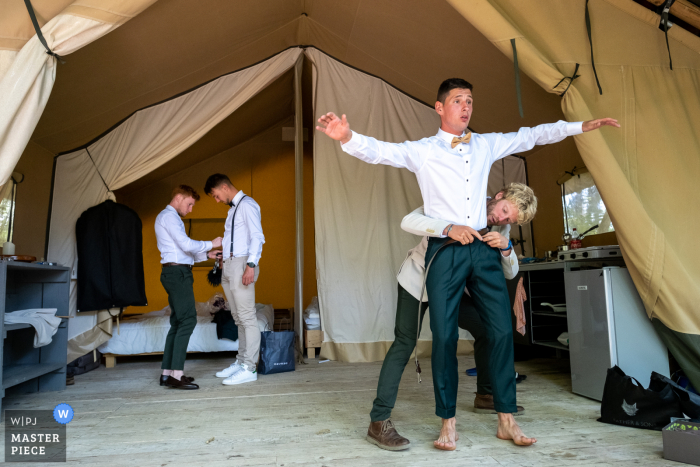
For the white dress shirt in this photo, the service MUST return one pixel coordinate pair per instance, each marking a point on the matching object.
(174, 244)
(453, 181)
(411, 273)
(248, 236)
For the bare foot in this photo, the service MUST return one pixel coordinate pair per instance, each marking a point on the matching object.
(508, 429)
(448, 435)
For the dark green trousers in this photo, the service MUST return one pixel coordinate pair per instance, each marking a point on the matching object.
(177, 281)
(470, 320)
(477, 266)
(405, 340)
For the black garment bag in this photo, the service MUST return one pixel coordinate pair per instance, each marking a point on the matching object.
(110, 258)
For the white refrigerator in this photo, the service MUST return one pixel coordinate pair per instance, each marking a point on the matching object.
(608, 326)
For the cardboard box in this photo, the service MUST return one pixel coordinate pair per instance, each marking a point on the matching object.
(682, 442)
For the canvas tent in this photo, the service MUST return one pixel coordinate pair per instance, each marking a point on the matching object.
(356, 311)
(413, 48)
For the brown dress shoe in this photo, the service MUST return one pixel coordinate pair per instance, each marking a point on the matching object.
(384, 435)
(179, 384)
(164, 378)
(483, 403)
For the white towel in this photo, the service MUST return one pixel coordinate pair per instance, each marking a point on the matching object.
(44, 321)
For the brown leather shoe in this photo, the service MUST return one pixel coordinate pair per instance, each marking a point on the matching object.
(179, 384)
(164, 378)
(483, 403)
(384, 435)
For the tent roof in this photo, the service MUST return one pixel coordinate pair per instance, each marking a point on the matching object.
(265, 110)
(177, 45)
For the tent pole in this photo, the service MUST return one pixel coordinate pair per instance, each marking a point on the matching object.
(299, 200)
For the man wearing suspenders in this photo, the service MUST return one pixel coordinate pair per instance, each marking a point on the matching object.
(242, 247)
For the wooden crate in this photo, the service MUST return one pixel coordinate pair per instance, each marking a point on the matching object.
(284, 319)
(312, 341)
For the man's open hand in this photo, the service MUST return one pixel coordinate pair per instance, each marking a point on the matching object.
(463, 234)
(335, 127)
(595, 124)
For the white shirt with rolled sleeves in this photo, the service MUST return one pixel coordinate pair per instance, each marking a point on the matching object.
(248, 236)
(174, 244)
(453, 181)
(411, 273)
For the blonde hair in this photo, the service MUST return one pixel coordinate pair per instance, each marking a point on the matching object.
(524, 199)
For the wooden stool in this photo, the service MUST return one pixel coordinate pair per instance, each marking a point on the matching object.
(312, 340)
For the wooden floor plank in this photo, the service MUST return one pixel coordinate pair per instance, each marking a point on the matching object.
(318, 416)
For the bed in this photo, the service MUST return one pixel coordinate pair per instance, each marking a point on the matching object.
(145, 335)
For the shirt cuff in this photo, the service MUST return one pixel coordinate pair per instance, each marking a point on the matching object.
(574, 128)
(253, 259)
(442, 228)
(208, 244)
(353, 144)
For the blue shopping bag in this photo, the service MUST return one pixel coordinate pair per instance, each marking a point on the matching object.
(276, 352)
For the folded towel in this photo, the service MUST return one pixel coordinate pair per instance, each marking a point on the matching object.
(44, 321)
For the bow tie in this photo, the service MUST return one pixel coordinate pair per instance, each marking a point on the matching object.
(464, 139)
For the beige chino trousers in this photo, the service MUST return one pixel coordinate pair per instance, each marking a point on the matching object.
(241, 299)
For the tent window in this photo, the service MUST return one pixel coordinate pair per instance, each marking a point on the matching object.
(583, 206)
(7, 211)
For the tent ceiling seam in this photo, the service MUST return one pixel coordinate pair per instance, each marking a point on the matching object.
(249, 44)
(653, 26)
(113, 127)
(189, 168)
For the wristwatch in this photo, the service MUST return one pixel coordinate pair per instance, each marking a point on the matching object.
(252, 265)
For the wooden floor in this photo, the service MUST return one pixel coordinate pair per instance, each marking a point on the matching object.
(318, 416)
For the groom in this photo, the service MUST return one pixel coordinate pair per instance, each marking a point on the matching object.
(452, 169)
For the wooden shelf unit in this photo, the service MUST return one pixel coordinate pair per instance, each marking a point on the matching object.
(26, 369)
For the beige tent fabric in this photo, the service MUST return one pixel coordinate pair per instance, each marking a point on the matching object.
(27, 76)
(112, 78)
(139, 145)
(647, 169)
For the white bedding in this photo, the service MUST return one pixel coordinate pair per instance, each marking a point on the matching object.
(146, 334)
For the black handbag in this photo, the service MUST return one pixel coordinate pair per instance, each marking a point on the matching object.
(690, 402)
(214, 276)
(276, 352)
(626, 402)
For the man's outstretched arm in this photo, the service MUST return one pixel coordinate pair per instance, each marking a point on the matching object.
(402, 155)
(503, 145)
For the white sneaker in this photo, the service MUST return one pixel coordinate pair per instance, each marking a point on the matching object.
(244, 375)
(230, 370)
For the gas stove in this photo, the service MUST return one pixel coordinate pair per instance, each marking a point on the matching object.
(592, 252)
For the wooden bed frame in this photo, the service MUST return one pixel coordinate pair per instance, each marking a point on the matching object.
(111, 359)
